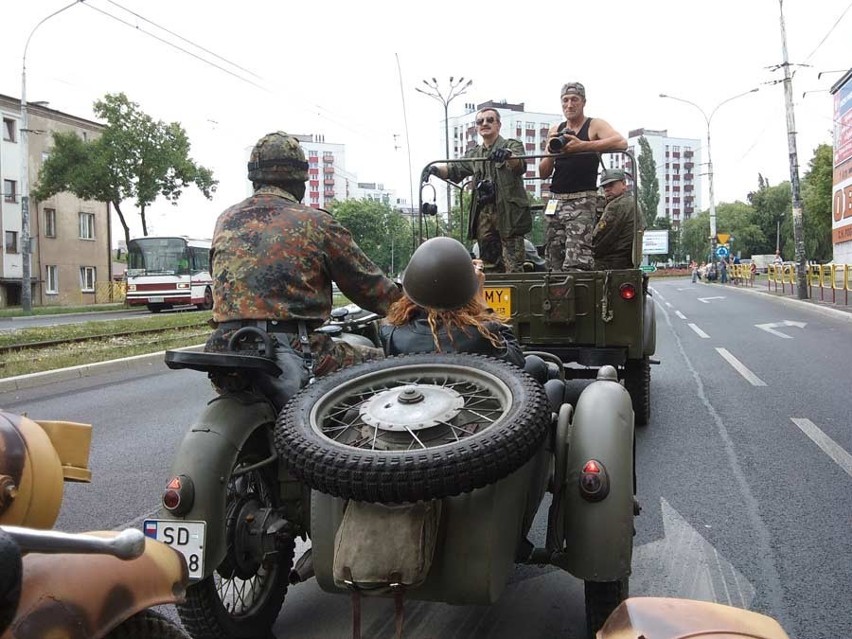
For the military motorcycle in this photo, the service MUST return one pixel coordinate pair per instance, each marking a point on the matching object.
(414, 477)
(92, 585)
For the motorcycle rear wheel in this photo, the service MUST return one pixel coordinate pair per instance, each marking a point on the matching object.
(147, 625)
(224, 605)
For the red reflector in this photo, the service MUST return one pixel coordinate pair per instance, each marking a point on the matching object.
(174, 483)
(171, 499)
(627, 291)
(592, 467)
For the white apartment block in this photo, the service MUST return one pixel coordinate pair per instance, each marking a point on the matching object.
(328, 179)
(527, 126)
(677, 160)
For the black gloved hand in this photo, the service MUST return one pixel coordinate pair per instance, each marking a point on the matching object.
(429, 170)
(501, 155)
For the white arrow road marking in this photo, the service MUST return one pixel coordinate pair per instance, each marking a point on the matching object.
(680, 315)
(706, 300)
(684, 564)
(698, 331)
(826, 443)
(750, 377)
(770, 328)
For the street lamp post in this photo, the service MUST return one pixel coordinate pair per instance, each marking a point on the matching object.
(456, 88)
(707, 120)
(26, 249)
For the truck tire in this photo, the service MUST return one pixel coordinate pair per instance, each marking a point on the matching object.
(413, 427)
(637, 381)
(602, 597)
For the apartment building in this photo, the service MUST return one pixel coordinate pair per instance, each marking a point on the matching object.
(70, 237)
(328, 179)
(529, 127)
(677, 161)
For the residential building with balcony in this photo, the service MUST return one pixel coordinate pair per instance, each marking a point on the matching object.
(678, 174)
(328, 179)
(69, 238)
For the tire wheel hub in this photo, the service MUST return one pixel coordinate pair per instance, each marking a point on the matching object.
(411, 408)
(243, 559)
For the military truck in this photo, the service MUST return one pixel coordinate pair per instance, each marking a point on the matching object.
(588, 319)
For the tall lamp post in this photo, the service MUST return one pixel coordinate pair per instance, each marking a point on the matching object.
(26, 249)
(708, 119)
(456, 88)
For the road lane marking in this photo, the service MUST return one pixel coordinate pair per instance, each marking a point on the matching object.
(750, 377)
(698, 331)
(770, 328)
(668, 304)
(680, 315)
(706, 300)
(826, 443)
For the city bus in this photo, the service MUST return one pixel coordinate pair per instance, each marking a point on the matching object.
(164, 272)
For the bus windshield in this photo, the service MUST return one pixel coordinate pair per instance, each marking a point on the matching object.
(157, 256)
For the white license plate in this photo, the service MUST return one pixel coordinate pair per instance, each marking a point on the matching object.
(187, 537)
(157, 299)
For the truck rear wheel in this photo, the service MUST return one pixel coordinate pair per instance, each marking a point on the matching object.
(637, 381)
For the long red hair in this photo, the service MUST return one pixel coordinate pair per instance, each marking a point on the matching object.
(473, 315)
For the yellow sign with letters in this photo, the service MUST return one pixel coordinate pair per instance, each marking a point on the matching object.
(499, 300)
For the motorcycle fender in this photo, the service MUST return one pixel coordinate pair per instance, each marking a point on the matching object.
(598, 535)
(649, 327)
(65, 595)
(207, 454)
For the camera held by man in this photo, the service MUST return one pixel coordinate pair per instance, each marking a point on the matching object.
(555, 145)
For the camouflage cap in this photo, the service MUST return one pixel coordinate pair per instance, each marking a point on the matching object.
(573, 87)
(612, 175)
(277, 157)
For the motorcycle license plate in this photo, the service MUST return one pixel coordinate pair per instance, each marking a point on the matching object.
(500, 300)
(187, 537)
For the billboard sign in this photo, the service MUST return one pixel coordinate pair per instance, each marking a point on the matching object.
(655, 243)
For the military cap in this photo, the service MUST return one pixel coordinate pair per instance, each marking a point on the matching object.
(612, 175)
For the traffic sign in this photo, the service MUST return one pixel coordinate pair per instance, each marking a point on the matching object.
(722, 251)
(648, 268)
(723, 237)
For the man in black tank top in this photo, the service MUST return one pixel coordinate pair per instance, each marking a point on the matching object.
(571, 212)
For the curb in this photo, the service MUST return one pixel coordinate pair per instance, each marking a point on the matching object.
(34, 380)
(814, 305)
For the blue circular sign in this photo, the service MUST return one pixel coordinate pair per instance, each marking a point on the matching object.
(722, 251)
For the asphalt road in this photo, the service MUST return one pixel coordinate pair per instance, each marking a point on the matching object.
(34, 321)
(745, 474)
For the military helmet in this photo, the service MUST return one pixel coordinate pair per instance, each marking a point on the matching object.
(277, 157)
(440, 275)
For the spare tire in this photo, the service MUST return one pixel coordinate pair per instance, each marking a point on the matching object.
(413, 427)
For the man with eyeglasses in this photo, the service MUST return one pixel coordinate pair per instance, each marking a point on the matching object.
(575, 203)
(500, 212)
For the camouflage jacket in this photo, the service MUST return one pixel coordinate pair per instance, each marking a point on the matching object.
(274, 258)
(612, 238)
(513, 208)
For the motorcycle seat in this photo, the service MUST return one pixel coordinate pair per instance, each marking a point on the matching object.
(221, 362)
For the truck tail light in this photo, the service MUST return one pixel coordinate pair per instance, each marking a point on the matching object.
(627, 291)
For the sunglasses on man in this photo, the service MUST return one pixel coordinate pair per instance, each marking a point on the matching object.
(488, 118)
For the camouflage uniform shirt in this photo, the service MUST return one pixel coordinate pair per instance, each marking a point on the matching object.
(612, 239)
(274, 258)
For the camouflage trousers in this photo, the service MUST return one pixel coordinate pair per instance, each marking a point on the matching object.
(568, 234)
(328, 354)
(498, 254)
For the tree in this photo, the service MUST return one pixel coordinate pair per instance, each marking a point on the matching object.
(384, 234)
(649, 185)
(771, 205)
(134, 158)
(816, 201)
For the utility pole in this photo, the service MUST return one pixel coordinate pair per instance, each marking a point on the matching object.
(457, 87)
(798, 222)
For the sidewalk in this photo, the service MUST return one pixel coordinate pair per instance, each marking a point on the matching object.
(34, 380)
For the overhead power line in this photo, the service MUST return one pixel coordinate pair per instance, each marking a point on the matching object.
(833, 27)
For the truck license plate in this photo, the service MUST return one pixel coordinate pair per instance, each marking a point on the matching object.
(156, 299)
(499, 300)
(187, 537)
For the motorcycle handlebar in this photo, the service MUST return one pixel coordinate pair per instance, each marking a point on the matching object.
(128, 544)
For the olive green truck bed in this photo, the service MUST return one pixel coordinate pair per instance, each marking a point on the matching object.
(586, 318)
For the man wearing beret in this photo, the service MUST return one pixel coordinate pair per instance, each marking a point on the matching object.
(614, 233)
(574, 202)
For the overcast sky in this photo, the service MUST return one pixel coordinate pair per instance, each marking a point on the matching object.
(331, 67)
